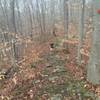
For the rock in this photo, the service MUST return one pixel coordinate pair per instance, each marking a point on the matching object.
(56, 97)
(48, 65)
(37, 81)
(3, 71)
(53, 78)
(58, 69)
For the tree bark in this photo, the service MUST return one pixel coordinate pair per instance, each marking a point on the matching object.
(81, 30)
(66, 15)
(93, 69)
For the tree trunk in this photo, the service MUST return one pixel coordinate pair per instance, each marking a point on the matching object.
(93, 70)
(66, 14)
(81, 30)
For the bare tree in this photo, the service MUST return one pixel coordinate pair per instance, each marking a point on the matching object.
(93, 69)
(81, 30)
(65, 3)
(15, 31)
(19, 17)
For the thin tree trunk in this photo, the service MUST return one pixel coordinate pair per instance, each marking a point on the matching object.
(15, 30)
(81, 31)
(66, 15)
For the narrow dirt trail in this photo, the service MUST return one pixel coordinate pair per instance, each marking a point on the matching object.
(52, 82)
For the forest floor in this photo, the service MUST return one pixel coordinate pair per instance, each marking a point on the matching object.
(54, 75)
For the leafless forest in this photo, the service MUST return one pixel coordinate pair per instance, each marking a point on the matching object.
(49, 50)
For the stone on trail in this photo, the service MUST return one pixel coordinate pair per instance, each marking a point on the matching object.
(56, 97)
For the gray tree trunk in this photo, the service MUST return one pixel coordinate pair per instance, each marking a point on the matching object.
(93, 69)
(81, 30)
(66, 19)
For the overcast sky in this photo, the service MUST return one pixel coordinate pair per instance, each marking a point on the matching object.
(88, 1)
